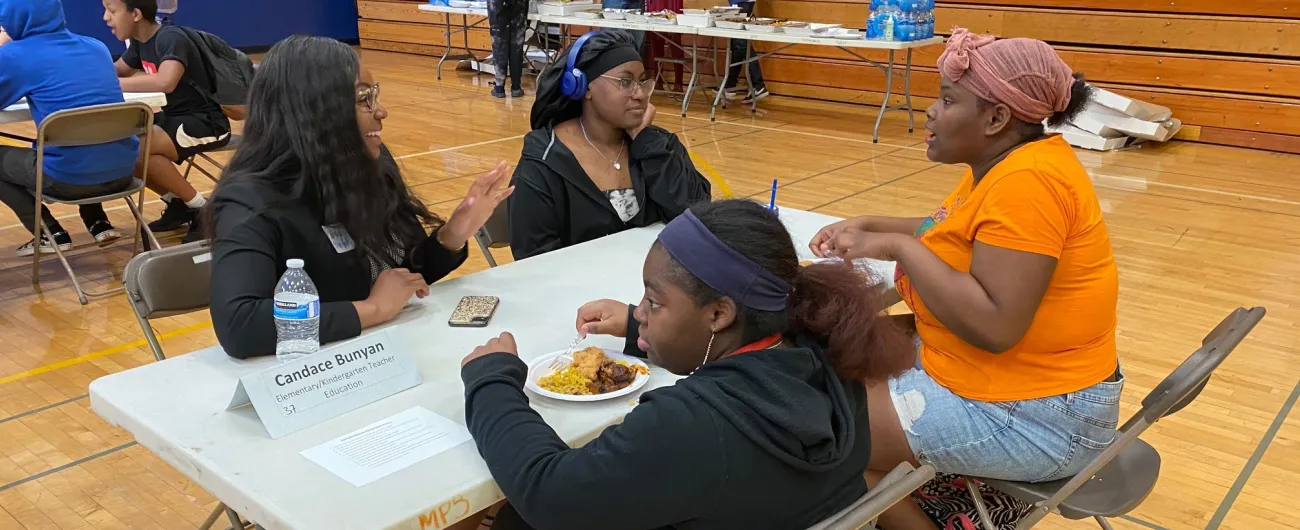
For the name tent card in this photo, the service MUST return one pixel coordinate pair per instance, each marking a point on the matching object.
(293, 396)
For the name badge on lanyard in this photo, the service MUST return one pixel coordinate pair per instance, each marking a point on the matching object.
(340, 238)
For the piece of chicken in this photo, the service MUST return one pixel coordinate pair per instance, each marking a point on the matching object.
(614, 376)
(588, 361)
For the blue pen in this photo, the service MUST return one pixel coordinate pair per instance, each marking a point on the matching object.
(772, 204)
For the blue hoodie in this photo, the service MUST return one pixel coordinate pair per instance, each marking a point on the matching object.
(56, 69)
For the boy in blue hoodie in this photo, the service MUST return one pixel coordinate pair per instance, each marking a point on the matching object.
(56, 69)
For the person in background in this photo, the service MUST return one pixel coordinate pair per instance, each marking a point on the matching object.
(743, 49)
(164, 59)
(314, 181)
(593, 164)
(772, 410)
(55, 69)
(508, 24)
(1012, 280)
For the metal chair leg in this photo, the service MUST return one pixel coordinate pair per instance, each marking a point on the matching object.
(978, 499)
(76, 284)
(149, 335)
(141, 226)
(212, 518)
(487, 254)
(1105, 525)
(235, 522)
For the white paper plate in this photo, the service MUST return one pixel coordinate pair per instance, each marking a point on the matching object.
(539, 368)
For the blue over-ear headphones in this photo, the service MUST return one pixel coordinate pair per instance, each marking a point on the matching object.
(573, 82)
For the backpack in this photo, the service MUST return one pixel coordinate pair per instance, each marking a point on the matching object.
(230, 70)
(947, 502)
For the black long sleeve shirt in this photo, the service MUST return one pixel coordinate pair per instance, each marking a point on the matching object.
(257, 231)
(556, 205)
(770, 439)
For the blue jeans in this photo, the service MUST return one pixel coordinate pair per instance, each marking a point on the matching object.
(1033, 440)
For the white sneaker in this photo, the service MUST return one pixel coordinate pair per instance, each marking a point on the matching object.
(104, 232)
(47, 247)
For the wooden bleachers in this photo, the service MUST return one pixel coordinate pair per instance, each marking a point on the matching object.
(1229, 70)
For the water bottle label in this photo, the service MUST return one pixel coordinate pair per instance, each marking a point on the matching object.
(296, 306)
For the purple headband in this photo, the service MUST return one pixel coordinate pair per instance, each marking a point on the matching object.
(721, 267)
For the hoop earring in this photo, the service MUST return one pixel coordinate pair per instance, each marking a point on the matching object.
(707, 351)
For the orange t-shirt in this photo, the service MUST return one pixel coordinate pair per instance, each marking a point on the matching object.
(1039, 199)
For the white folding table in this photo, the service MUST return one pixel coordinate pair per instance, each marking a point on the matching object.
(19, 112)
(464, 13)
(849, 46)
(176, 407)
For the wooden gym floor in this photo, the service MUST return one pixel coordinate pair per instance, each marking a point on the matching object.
(1198, 230)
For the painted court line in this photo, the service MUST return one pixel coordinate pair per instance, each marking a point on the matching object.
(815, 135)
(1253, 461)
(454, 148)
(1142, 522)
(101, 353)
(73, 463)
(38, 410)
(1144, 183)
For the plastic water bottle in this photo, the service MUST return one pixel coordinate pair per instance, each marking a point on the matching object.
(888, 19)
(297, 314)
(873, 20)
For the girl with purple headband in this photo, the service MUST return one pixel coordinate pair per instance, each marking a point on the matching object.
(767, 430)
(1012, 281)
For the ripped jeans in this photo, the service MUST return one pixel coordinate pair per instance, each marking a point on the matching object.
(1033, 440)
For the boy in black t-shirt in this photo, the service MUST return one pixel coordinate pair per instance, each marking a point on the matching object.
(162, 58)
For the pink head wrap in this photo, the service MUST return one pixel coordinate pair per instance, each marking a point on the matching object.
(1023, 74)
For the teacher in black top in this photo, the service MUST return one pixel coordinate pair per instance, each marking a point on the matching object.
(313, 180)
(593, 164)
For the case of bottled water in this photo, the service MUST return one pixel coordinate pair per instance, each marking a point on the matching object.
(297, 314)
(900, 20)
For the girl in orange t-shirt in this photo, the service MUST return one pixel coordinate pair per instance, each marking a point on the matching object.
(1012, 281)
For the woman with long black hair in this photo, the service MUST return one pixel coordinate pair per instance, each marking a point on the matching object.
(594, 165)
(313, 181)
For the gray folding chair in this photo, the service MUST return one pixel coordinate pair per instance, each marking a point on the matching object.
(93, 125)
(167, 282)
(1119, 479)
(495, 233)
(894, 487)
(230, 146)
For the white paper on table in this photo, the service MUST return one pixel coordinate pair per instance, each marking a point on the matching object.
(387, 446)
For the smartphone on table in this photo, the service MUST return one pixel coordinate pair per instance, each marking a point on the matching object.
(473, 312)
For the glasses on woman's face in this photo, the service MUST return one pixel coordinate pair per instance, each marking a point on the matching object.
(629, 86)
(368, 98)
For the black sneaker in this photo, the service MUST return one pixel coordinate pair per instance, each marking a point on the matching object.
(175, 217)
(755, 96)
(47, 247)
(196, 231)
(103, 232)
(498, 92)
(516, 92)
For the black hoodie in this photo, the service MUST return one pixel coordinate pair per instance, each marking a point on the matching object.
(770, 439)
(556, 205)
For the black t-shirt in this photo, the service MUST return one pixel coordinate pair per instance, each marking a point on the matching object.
(171, 43)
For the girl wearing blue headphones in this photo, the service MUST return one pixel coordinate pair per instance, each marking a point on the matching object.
(594, 164)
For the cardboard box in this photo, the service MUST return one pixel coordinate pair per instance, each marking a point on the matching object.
(1104, 121)
(1129, 106)
(1084, 139)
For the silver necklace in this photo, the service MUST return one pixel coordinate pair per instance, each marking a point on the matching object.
(621, 145)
